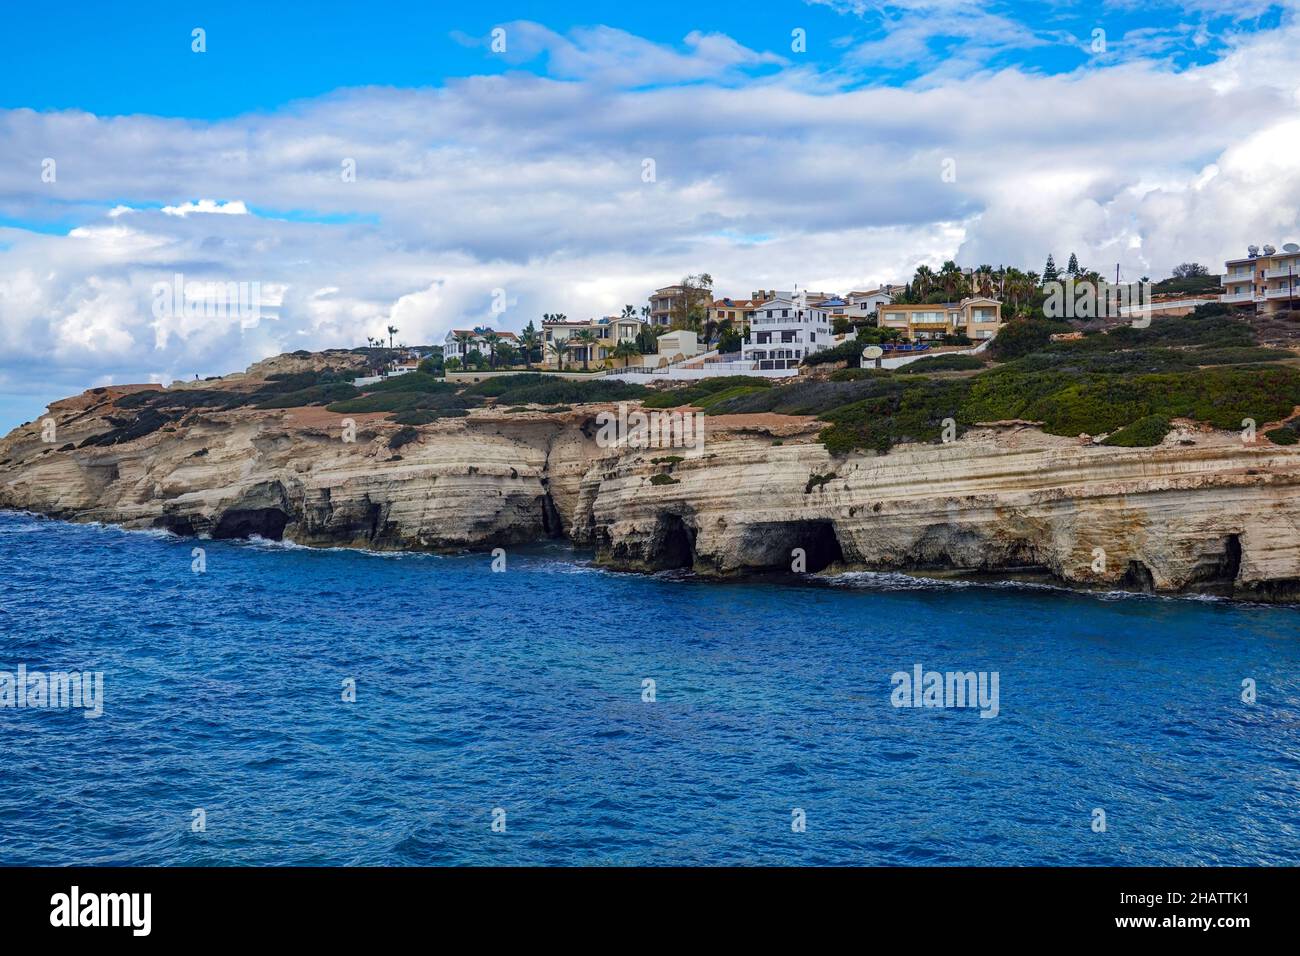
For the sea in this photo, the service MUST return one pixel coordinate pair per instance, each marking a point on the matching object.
(262, 703)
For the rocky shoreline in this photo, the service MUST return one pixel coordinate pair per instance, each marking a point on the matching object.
(1202, 513)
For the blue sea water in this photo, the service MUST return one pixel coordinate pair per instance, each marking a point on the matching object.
(522, 691)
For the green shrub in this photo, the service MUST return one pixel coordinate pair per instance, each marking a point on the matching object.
(705, 392)
(403, 436)
(944, 363)
(663, 480)
(410, 382)
(314, 395)
(1023, 336)
(816, 481)
(1143, 433)
(1288, 434)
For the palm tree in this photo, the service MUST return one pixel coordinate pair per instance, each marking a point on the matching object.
(491, 339)
(923, 282)
(627, 351)
(528, 341)
(464, 340)
(558, 347)
(588, 340)
(391, 332)
(629, 312)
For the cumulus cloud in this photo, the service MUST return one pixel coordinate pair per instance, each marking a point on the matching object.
(536, 185)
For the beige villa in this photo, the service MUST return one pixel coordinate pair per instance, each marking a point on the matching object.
(975, 317)
(605, 335)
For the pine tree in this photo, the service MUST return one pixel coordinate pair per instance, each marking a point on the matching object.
(1049, 271)
(1073, 267)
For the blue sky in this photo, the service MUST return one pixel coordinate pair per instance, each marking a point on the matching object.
(523, 171)
(135, 58)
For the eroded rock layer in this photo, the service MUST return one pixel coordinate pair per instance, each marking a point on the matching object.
(1204, 511)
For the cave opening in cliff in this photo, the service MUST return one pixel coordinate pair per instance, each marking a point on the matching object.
(1218, 569)
(820, 544)
(1138, 577)
(246, 522)
(674, 545)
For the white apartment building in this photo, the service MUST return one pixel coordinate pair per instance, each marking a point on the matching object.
(1266, 280)
(785, 329)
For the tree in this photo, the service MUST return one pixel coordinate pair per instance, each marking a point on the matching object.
(528, 342)
(626, 350)
(1190, 270)
(729, 342)
(923, 282)
(647, 340)
(392, 330)
(588, 340)
(506, 354)
(464, 340)
(1072, 267)
(690, 307)
(1049, 270)
(452, 364)
(491, 339)
(629, 312)
(558, 347)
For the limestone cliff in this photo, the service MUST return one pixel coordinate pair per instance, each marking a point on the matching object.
(1203, 511)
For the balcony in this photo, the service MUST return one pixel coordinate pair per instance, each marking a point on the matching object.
(1286, 273)
(1284, 292)
(1231, 298)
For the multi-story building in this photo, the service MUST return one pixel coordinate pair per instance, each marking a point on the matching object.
(460, 342)
(738, 311)
(1266, 281)
(784, 330)
(975, 317)
(675, 302)
(862, 305)
(606, 334)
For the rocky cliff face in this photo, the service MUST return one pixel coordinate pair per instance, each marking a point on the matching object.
(1204, 511)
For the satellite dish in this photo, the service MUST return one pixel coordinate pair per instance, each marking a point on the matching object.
(1290, 247)
(1269, 250)
(1252, 251)
(872, 352)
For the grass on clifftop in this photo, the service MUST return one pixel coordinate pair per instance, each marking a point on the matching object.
(1129, 383)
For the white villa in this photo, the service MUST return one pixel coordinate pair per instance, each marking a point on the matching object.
(785, 329)
(460, 342)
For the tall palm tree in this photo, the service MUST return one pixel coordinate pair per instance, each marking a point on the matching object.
(588, 340)
(464, 340)
(629, 312)
(491, 338)
(558, 347)
(923, 282)
(528, 341)
(392, 330)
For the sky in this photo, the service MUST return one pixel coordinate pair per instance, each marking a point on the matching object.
(432, 166)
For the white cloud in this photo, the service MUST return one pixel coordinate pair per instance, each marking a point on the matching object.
(211, 206)
(534, 185)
